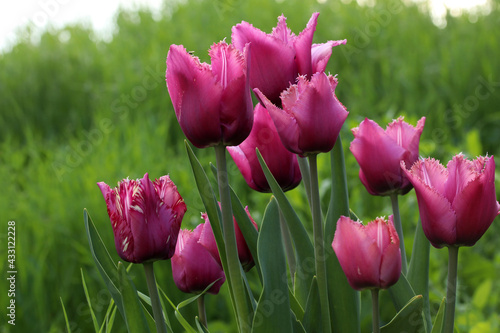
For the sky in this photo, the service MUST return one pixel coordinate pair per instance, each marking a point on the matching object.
(99, 13)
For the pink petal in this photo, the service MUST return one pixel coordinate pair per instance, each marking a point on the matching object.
(242, 162)
(460, 172)
(282, 32)
(406, 136)
(321, 53)
(302, 44)
(207, 239)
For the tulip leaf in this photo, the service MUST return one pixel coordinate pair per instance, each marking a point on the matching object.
(409, 319)
(89, 303)
(104, 262)
(68, 326)
(304, 250)
(344, 301)
(438, 322)
(134, 314)
(177, 313)
(401, 292)
(200, 327)
(273, 314)
(313, 309)
(418, 271)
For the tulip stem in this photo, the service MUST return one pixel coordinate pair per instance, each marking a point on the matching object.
(319, 248)
(233, 264)
(375, 311)
(155, 298)
(399, 229)
(201, 310)
(451, 289)
(306, 176)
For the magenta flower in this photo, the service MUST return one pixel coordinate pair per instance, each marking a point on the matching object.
(282, 163)
(312, 116)
(458, 203)
(212, 103)
(277, 58)
(379, 153)
(207, 239)
(369, 255)
(146, 217)
(193, 266)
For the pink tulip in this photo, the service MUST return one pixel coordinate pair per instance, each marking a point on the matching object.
(146, 217)
(207, 239)
(369, 255)
(312, 116)
(277, 58)
(282, 163)
(458, 203)
(379, 153)
(213, 103)
(193, 266)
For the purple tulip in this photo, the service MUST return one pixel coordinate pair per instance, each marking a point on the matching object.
(312, 116)
(379, 153)
(146, 217)
(277, 58)
(213, 103)
(193, 266)
(369, 255)
(207, 239)
(458, 203)
(282, 163)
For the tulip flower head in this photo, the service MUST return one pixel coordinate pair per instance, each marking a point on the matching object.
(379, 154)
(282, 163)
(213, 103)
(311, 117)
(368, 254)
(458, 203)
(279, 57)
(207, 239)
(146, 217)
(193, 266)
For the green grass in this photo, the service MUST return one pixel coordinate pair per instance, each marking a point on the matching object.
(77, 112)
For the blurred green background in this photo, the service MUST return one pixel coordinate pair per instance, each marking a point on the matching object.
(76, 110)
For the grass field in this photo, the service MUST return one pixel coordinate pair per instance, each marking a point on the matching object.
(76, 110)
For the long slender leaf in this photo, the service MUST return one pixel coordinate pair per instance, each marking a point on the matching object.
(438, 322)
(68, 327)
(313, 310)
(304, 250)
(273, 313)
(92, 314)
(103, 261)
(408, 319)
(134, 315)
(344, 301)
(178, 315)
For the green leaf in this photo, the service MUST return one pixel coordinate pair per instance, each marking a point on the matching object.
(200, 327)
(344, 301)
(134, 314)
(418, 271)
(68, 327)
(482, 294)
(178, 315)
(409, 319)
(438, 322)
(104, 262)
(401, 293)
(273, 314)
(92, 314)
(313, 309)
(304, 250)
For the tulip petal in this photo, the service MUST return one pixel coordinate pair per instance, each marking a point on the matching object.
(460, 172)
(437, 216)
(390, 267)
(242, 162)
(196, 96)
(302, 45)
(406, 136)
(475, 204)
(321, 53)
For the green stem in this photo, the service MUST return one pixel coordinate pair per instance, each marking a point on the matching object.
(306, 176)
(290, 255)
(201, 310)
(451, 289)
(233, 264)
(399, 229)
(375, 309)
(319, 248)
(155, 298)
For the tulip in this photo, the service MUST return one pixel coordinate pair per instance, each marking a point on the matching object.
(369, 255)
(282, 163)
(458, 203)
(193, 266)
(379, 153)
(213, 103)
(312, 116)
(146, 217)
(277, 58)
(207, 239)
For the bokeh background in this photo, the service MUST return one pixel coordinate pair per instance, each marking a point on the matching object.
(78, 107)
